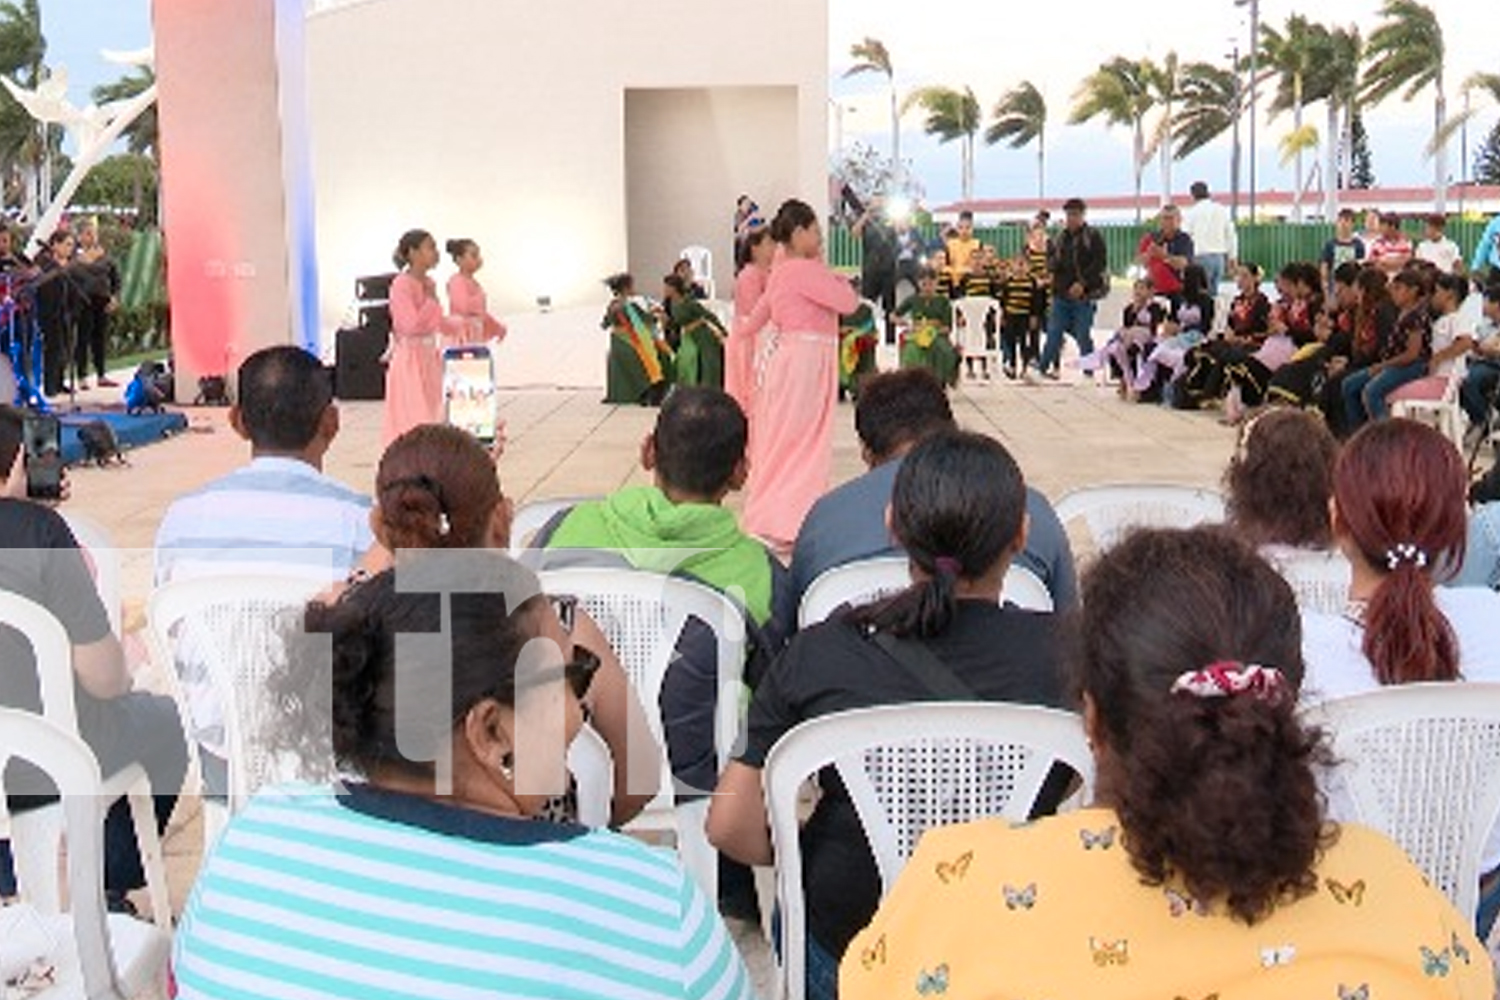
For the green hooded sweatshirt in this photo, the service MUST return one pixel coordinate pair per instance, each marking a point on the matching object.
(644, 527)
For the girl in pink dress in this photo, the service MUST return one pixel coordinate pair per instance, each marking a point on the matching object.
(466, 299)
(749, 286)
(791, 447)
(414, 374)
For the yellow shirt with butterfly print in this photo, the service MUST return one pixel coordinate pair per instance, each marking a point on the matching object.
(1053, 910)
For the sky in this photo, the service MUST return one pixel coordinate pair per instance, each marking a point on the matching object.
(987, 46)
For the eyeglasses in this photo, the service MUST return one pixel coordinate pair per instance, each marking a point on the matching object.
(578, 672)
(565, 606)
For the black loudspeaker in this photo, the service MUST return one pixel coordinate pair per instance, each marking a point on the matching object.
(374, 288)
(375, 318)
(358, 371)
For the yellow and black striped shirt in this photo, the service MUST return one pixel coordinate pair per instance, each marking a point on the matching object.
(1017, 294)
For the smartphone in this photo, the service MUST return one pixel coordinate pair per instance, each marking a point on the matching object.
(469, 398)
(41, 436)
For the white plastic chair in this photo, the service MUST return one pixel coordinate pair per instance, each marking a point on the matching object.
(233, 623)
(702, 259)
(533, 517)
(642, 615)
(99, 955)
(1110, 511)
(1025, 589)
(1447, 410)
(39, 831)
(592, 767)
(970, 316)
(856, 583)
(1421, 764)
(1319, 578)
(867, 580)
(105, 557)
(908, 768)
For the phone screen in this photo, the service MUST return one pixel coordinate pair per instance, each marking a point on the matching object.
(469, 398)
(42, 439)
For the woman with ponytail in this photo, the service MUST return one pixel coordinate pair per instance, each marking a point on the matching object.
(1206, 866)
(791, 428)
(1399, 516)
(958, 508)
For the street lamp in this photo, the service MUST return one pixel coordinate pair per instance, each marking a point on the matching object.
(838, 123)
(1254, 6)
(1234, 156)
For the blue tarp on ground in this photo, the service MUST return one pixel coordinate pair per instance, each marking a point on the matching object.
(132, 431)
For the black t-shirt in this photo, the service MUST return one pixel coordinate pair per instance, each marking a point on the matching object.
(1003, 654)
(42, 562)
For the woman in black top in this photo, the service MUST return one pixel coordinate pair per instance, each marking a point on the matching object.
(958, 509)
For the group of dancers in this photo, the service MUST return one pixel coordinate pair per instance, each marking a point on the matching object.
(781, 362)
(421, 328)
(55, 312)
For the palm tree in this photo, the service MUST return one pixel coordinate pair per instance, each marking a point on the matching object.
(1020, 118)
(1120, 92)
(23, 49)
(1481, 83)
(871, 56)
(951, 114)
(1165, 82)
(1337, 80)
(1292, 56)
(1407, 51)
(141, 135)
(1211, 102)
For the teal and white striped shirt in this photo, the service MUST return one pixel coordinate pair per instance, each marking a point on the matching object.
(374, 895)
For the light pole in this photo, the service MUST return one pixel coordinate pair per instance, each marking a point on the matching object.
(1254, 6)
(1234, 156)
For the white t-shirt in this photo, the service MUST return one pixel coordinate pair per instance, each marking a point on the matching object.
(1444, 253)
(1463, 322)
(1337, 667)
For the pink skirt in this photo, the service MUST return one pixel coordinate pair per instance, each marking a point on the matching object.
(413, 386)
(739, 370)
(791, 447)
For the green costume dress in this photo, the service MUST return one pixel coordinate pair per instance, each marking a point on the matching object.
(857, 338)
(928, 343)
(636, 372)
(700, 355)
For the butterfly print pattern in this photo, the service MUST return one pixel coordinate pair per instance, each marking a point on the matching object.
(1110, 952)
(1360, 992)
(955, 870)
(1101, 839)
(873, 955)
(934, 983)
(1351, 894)
(1270, 958)
(1019, 899)
(1180, 904)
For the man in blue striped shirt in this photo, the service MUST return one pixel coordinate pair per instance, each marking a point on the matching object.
(279, 514)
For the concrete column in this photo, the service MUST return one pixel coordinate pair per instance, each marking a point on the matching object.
(236, 181)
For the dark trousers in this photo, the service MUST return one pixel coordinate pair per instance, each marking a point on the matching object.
(57, 347)
(879, 286)
(137, 728)
(1018, 336)
(93, 332)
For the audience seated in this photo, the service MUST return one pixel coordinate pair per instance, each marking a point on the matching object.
(436, 488)
(958, 507)
(428, 873)
(1206, 867)
(1278, 484)
(679, 525)
(42, 562)
(894, 412)
(277, 514)
(1455, 327)
(1399, 516)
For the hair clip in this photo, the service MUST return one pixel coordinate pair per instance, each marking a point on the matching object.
(444, 526)
(1227, 678)
(1405, 552)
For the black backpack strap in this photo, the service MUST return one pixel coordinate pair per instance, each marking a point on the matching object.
(922, 665)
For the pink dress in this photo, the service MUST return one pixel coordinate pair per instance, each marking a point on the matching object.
(739, 350)
(791, 448)
(466, 302)
(414, 376)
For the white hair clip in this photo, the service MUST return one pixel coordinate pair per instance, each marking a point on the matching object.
(1405, 552)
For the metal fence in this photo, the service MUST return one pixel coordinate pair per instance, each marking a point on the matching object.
(1272, 245)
